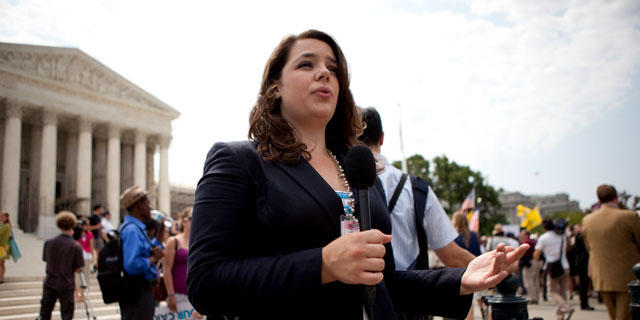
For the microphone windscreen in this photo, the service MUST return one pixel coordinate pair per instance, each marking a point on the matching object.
(361, 167)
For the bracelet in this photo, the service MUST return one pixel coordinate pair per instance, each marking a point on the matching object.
(171, 295)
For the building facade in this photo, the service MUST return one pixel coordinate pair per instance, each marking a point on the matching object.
(182, 196)
(548, 205)
(74, 133)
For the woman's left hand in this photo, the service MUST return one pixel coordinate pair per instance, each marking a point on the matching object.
(488, 269)
(171, 303)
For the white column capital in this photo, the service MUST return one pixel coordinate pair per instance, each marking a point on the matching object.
(13, 110)
(84, 124)
(165, 141)
(140, 137)
(49, 118)
(115, 131)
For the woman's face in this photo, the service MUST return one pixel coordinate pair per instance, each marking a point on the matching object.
(308, 86)
(3, 218)
(186, 220)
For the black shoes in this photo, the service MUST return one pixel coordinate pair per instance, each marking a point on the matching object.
(588, 308)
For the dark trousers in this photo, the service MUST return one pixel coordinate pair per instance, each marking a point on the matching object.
(49, 297)
(584, 287)
(143, 309)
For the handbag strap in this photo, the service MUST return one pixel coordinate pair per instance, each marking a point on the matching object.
(561, 245)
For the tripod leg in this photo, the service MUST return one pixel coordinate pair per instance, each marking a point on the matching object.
(87, 301)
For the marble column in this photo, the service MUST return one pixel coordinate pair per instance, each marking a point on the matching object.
(33, 210)
(48, 159)
(164, 195)
(152, 184)
(70, 165)
(83, 177)
(9, 198)
(113, 174)
(99, 170)
(140, 160)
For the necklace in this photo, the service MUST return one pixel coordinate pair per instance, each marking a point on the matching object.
(349, 207)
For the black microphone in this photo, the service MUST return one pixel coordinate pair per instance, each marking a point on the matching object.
(361, 174)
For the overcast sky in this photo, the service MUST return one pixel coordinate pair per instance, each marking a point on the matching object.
(540, 96)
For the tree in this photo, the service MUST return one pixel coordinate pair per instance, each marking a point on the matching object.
(623, 199)
(452, 183)
(572, 217)
(416, 165)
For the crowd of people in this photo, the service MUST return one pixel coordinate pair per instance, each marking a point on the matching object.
(592, 259)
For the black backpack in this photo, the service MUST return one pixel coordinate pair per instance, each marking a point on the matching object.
(115, 284)
(420, 189)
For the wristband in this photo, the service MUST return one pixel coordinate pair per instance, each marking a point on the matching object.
(171, 295)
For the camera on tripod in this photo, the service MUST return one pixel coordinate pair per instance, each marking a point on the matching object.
(77, 230)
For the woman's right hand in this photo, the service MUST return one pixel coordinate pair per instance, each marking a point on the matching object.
(355, 258)
(171, 302)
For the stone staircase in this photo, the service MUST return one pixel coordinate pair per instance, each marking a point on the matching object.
(20, 299)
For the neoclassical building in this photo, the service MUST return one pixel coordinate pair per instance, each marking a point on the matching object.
(74, 133)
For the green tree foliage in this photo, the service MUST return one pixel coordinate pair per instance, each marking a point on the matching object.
(416, 165)
(452, 183)
(572, 217)
(623, 199)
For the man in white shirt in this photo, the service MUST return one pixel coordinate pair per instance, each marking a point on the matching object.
(439, 230)
(107, 226)
(553, 243)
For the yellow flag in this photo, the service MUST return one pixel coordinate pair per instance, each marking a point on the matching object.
(535, 218)
(532, 218)
(522, 210)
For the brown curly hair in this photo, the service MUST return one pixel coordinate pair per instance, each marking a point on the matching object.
(275, 137)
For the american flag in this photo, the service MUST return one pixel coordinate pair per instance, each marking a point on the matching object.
(468, 203)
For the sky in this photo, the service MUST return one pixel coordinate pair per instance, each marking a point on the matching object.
(541, 97)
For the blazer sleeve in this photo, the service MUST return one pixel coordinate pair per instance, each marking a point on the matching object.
(225, 275)
(435, 292)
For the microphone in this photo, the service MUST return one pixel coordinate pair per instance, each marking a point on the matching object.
(361, 174)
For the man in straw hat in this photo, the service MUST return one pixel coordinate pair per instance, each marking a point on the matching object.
(139, 253)
(498, 237)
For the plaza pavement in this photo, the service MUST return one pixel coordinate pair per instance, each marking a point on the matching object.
(31, 266)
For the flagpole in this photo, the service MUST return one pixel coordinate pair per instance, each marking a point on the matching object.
(404, 158)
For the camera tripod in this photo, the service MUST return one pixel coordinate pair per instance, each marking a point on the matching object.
(87, 300)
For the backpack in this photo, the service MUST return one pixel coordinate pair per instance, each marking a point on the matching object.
(115, 284)
(420, 189)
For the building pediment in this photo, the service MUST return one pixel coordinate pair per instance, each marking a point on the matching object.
(73, 71)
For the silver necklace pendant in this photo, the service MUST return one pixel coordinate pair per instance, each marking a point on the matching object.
(343, 178)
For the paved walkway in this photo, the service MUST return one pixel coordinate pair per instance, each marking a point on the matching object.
(32, 266)
(547, 310)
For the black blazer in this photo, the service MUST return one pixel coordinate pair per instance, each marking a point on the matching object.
(257, 235)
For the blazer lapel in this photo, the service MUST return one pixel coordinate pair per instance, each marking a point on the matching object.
(311, 182)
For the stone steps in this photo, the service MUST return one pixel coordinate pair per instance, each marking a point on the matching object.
(20, 299)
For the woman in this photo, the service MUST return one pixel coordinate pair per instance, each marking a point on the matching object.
(174, 263)
(85, 240)
(466, 239)
(5, 234)
(266, 239)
